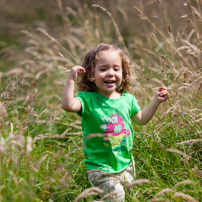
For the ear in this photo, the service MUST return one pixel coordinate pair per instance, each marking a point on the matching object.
(91, 76)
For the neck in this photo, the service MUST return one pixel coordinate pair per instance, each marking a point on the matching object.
(112, 95)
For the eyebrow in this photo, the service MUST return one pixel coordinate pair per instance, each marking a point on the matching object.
(106, 65)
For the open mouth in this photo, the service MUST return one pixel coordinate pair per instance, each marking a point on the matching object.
(110, 82)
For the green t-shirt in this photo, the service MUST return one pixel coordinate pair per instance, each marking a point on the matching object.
(107, 131)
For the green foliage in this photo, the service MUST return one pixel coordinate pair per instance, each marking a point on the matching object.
(41, 157)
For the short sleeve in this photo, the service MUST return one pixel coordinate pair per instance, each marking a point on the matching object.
(82, 96)
(135, 108)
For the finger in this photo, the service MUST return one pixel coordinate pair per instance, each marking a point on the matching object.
(162, 88)
(82, 70)
(163, 94)
(161, 91)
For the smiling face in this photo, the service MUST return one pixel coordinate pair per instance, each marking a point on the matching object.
(108, 73)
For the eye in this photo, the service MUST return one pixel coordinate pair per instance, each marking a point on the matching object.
(117, 69)
(102, 69)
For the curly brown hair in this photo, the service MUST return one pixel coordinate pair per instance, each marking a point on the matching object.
(89, 62)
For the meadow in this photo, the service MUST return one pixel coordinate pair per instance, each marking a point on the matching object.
(41, 157)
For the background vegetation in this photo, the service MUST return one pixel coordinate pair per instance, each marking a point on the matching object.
(41, 155)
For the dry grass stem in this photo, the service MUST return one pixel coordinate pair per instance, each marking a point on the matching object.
(120, 38)
(110, 196)
(189, 141)
(94, 135)
(158, 199)
(163, 191)
(87, 192)
(184, 182)
(184, 196)
(177, 151)
(41, 145)
(136, 182)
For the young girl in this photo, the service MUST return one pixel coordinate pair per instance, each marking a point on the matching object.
(106, 110)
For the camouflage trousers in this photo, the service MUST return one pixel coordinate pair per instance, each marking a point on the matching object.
(112, 184)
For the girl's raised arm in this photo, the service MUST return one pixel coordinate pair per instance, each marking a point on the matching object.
(69, 102)
(145, 115)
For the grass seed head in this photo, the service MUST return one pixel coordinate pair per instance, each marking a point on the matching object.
(89, 191)
(3, 111)
(164, 191)
(184, 196)
(184, 182)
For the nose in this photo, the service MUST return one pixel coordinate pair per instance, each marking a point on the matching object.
(110, 72)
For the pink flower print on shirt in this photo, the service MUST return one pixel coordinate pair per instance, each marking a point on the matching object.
(114, 125)
(115, 131)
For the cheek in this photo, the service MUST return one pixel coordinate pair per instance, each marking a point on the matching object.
(99, 75)
(121, 76)
(122, 80)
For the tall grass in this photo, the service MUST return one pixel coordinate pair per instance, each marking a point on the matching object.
(41, 146)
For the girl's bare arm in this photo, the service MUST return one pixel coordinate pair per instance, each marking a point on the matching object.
(69, 102)
(145, 115)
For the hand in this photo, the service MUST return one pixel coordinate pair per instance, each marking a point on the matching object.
(162, 94)
(75, 71)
